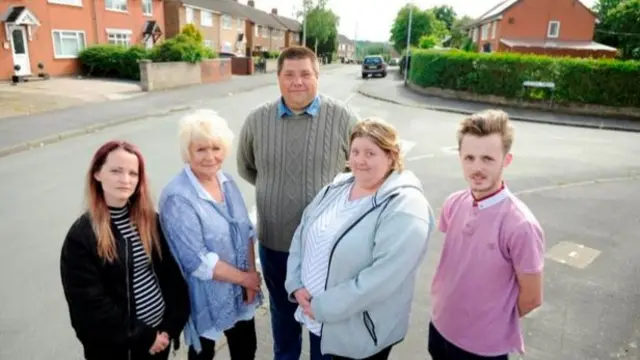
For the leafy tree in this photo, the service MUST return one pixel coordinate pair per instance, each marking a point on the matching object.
(428, 41)
(624, 19)
(422, 23)
(320, 21)
(604, 30)
(192, 32)
(459, 34)
(446, 14)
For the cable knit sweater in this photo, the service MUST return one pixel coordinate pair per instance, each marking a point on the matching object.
(289, 159)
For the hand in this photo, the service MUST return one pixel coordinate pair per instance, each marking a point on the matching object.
(161, 343)
(304, 300)
(251, 296)
(252, 281)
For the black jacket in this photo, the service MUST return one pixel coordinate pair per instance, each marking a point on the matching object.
(100, 296)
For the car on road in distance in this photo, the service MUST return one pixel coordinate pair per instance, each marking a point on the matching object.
(373, 65)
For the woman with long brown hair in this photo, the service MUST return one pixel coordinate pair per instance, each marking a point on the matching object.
(126, 296)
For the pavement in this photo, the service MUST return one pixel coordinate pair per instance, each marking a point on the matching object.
(38, 96)
(582, 185)
(21, 133)
(392, 89)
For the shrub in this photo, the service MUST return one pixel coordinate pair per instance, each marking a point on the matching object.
(183, 47)
(589, 81)
(112, 61)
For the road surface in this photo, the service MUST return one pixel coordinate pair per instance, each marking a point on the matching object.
(582, 184)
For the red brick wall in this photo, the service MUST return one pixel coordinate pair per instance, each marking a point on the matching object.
(215, 70)
(531, 20)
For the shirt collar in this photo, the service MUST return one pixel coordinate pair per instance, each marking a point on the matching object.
(202, 193)
(313, 109)
(491, 199)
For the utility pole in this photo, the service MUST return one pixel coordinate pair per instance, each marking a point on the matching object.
(355, 43)
(304, 23)
(407, 63)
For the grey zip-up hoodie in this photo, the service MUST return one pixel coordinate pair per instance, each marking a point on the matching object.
(372, 267)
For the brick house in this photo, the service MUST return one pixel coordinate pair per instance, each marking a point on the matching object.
(52, 32)
(550, 27)
(264, 32)
(221, 22)
(346, 48)
(293, 34)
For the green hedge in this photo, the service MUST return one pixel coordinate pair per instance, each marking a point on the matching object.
(588, 81)
(112, 61)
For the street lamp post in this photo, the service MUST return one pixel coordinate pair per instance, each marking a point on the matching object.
(406, 62)
(304, 23)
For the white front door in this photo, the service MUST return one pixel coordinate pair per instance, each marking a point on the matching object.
(20, 50)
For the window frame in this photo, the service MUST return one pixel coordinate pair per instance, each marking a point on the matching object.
(550, 26)
(79, 38)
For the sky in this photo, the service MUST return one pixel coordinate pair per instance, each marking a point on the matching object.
(372, 19)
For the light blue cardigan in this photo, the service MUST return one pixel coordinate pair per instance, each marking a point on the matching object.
(200, 232)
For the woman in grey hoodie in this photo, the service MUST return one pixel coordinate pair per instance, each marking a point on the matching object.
(354, 257)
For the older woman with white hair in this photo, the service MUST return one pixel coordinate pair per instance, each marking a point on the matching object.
(207, 226)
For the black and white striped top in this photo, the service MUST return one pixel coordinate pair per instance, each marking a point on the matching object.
(148, 300)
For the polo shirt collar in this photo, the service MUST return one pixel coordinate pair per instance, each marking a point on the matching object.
(313, 109)
(491, 199)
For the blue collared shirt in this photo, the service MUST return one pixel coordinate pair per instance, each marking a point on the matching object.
(313, 109)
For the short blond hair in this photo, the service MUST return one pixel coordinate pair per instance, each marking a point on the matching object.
(384, 135)
(203, 125)
(486, 123)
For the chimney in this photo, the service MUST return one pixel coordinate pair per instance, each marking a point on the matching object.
(251, 3)
(274, 11)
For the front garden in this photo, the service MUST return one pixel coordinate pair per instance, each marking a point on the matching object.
(113, 61)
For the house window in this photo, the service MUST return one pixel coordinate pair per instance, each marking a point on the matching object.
(485, 31)
(66, 2)
(206, 18)
(494, 28)
(240, 24)
(119, 37)
(67, 44)
(227, 22)
(209, 44)
(116, 5)
(189, 15)
(147, 7)
(264, 32)
(554, 29)
(475, 34)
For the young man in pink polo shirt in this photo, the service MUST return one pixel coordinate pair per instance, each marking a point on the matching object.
(490, 270)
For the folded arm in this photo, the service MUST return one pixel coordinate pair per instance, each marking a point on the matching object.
(396, 255)
(96, 315)
(181, 226)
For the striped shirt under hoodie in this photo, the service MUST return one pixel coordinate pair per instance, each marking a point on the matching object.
(318, 240)
(148, 301)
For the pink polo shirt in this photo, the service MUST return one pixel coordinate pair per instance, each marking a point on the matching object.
(475, 290)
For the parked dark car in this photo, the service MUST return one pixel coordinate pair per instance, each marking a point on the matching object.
(374, 65)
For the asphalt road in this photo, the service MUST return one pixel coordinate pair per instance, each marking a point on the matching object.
(582, 184)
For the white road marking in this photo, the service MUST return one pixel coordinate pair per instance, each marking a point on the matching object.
(350, 97)
(580, 139)
(449, 150)
(406, 146)
(420, 157)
